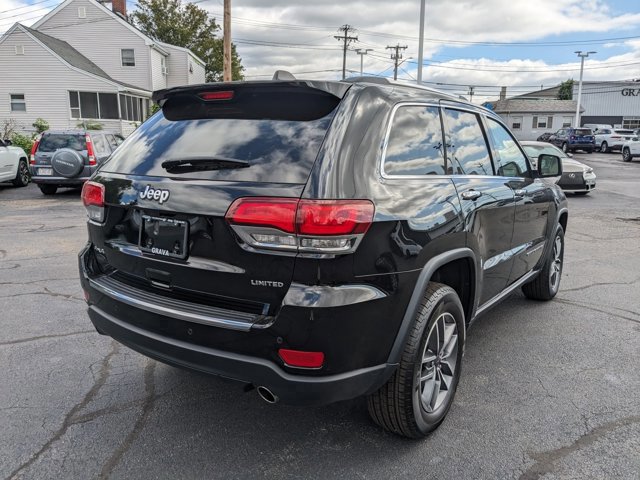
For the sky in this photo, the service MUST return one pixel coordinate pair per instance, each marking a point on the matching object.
(521, 44)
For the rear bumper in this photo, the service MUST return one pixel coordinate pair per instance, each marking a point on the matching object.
(290, 389)
(60, 181)
(587, 147)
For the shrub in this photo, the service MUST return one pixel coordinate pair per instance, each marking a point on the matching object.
(40, 125)
(23, 141)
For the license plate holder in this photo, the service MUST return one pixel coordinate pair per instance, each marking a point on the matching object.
(164, 236)
(45, 171)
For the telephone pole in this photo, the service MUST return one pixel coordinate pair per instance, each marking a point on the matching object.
(471, 89)
(226, 43)
(346, 29)
(362, 53)
(395, 57)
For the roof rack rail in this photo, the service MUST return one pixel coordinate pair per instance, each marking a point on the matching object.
(283, 75)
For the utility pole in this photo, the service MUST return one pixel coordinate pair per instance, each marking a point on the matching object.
(471, 94)
(421, 42)
(582, 57)
(362, 53)
(347, 40)
(226, 43)
(395, 57)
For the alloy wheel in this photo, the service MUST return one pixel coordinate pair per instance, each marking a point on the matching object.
(603, 147)
(439, 362)
(556, 266)
(24, 173)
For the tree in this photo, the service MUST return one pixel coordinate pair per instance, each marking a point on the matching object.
(566, 90)
(189, 26)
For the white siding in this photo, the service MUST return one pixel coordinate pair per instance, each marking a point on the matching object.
(526, 130)
(159, 80)
(45, 82)
(198, 74)
(178, 64)
(606, 99)
(100, 38)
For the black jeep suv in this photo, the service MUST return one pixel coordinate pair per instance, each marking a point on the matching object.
(319, 240)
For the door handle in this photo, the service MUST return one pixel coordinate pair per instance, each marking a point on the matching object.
(520, 192)
(471, 195)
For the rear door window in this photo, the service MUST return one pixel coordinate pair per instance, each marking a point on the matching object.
(415, 144)
(111, 140)
(467, 151)
(100, 144)
(54, 141)
(275, 150)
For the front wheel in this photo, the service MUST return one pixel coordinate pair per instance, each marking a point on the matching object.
(604, 148)
(22, 176)
(546, 285)
(565, 149)
(626, 155)
(416, 399)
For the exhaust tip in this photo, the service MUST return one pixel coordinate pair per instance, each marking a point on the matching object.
(267, 395)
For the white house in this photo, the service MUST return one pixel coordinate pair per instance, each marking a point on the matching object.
(84, 62)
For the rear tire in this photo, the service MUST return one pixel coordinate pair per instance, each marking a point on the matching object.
(22, 176)
(48, 189)
(604, 148)
(565, 149)
(546, 285)
(626, 155)
(416, 399)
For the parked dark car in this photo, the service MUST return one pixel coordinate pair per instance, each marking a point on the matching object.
(67, 158)
(544, 137)
(572, 139)
(319, 240)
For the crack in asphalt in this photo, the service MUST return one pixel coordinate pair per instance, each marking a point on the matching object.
(600, 284)
(46, 292)
(147, 406)
(42, 337)
(70, 417)
(592, 308)
(545, 462)
(40, 281)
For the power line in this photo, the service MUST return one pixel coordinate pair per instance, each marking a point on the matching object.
(395, 57)
(27, 6)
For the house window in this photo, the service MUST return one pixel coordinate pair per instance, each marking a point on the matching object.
(516, 123)
(631, 122)
(82, 12)
(133, 108)
(567, 122)
(163, 66)
(19, 49)
(18, 103)
(93, 105)
(542, 122)
(128, 57)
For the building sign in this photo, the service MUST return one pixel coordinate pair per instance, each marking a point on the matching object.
(630, 92)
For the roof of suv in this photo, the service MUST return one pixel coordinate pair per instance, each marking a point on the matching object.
(77, 131)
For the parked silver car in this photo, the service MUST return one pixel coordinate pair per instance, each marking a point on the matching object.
(576, 177)
(609, 139)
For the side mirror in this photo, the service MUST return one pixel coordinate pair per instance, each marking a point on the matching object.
(549, 166)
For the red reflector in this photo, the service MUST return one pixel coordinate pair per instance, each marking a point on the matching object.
(298, 358)
(221, 95)
(334, 217)
(93, 194)
(279, 213)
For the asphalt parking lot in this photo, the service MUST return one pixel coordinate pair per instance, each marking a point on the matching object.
(548, 390)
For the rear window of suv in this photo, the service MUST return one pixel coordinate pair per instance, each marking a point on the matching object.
(583, 131)
(53, 141)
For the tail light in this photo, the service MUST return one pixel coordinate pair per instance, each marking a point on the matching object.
(615, 137)
(301, 359)
(572, 137)
(218, 95)
(312, 226)
(93, 200)
(90, 152)
(34, 148)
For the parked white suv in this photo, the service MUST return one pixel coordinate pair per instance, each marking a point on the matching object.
(631, 148)
(608, 139)
(13, 165)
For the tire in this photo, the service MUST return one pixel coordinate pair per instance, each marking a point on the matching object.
(626, 155)
(427, 365)
(589, 151)
(22, 175)
(565, 148)
(48, 189)
(604, 148)
(580, 193)
(546, 285)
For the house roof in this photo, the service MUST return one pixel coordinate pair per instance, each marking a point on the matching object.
(547, 105)
(68, 53)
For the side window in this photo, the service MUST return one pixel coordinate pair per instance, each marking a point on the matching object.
(111, 140)
(99, 144)
(467, 152)
(511, 161)
(415, 144)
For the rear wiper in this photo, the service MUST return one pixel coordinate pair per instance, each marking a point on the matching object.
(201, 164)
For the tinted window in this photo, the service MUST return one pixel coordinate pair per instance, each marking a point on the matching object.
(99, 143)
(415, 142)
(534, 151)
(510, 160)
(277, 150)
(112, 141)
(582, 131)
(53, 141)
(467, 152)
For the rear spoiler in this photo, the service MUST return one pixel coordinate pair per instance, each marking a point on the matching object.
(277, 100)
